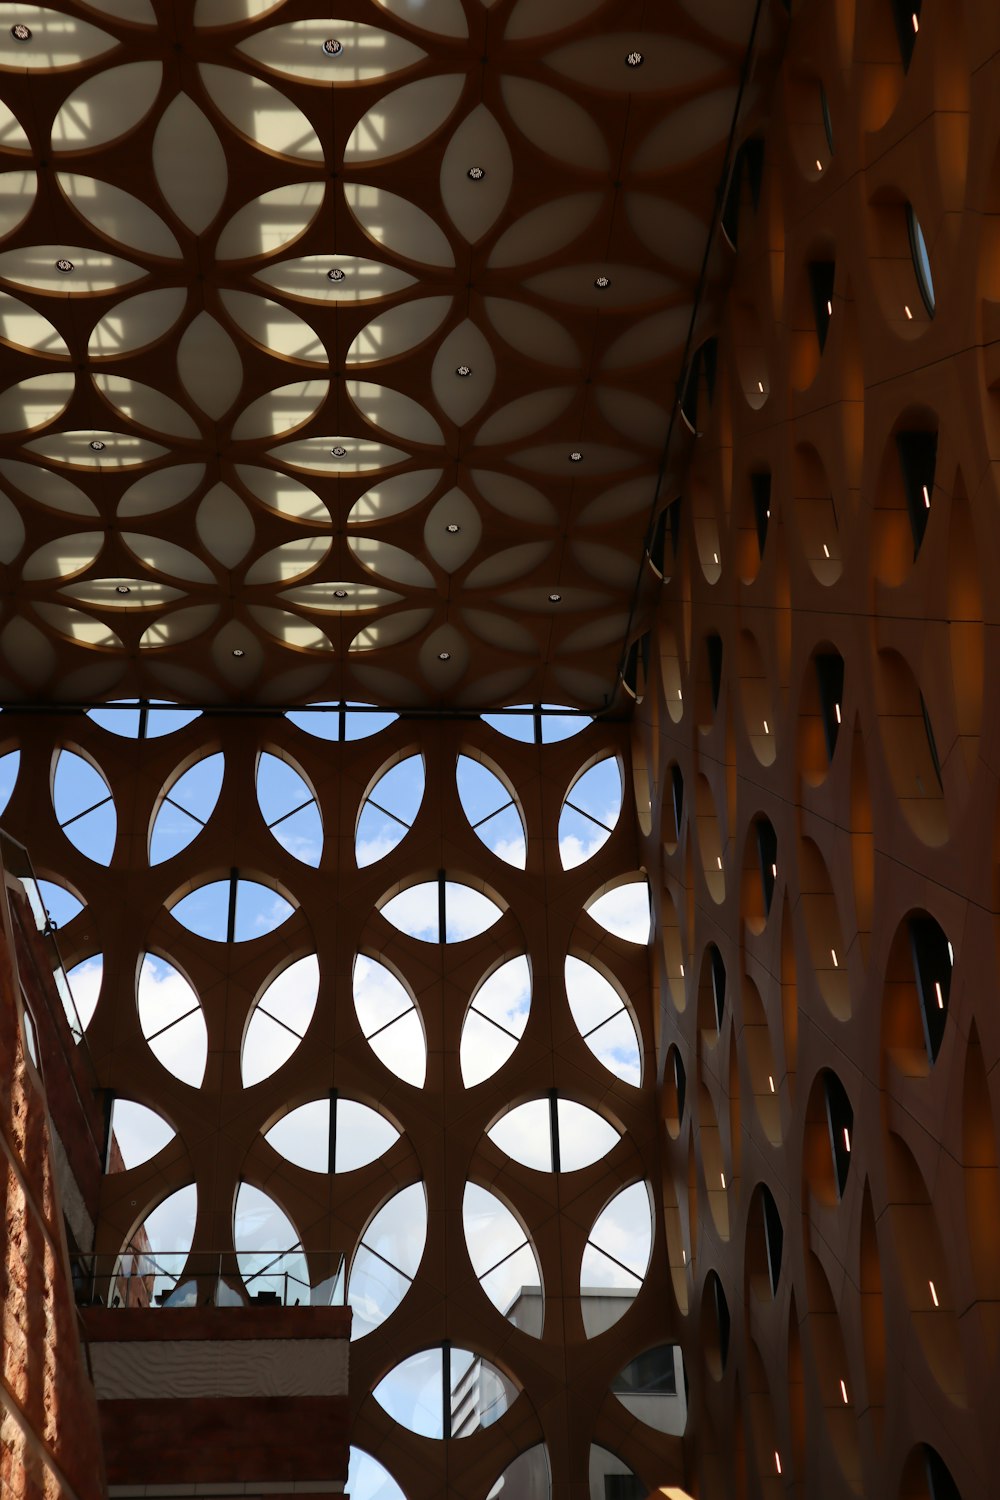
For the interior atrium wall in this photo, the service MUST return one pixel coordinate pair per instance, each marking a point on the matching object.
(48, 1417)
(816, 768)
(140, 888)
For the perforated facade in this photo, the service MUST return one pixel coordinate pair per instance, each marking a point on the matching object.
(551, 447)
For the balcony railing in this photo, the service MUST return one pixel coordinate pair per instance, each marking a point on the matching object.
(138, 1278)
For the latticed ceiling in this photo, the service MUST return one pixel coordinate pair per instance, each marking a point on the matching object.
(339, 352)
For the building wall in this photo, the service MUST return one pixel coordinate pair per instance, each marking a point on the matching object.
(890, 1286)
(48, 1417)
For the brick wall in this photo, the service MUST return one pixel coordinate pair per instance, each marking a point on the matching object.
(49, 1446)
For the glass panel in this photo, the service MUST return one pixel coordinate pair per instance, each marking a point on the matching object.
(503, 1259)
(615, 1259)
(584, 1136)
(592, 808)
(205, 912)
(9, 764)
(171, 1020)
(363, 1135)
(162, 718)
(85, 982)
(515, 1289)
(527, 1478)
(387, 1259)
(139, 1132)
(301, 834)
(488, 805)
(592, 997)
(516, 726)
(367, 1480)
(415, 911)
(60, 906)
(374, 1291)
(467, 912)
(556, 726)
(280, 1019)
(289, 809)
(361, 726)
(377, 835)
(411, 1393)
(188, 805)
(615, 1044)
(303, 1136)
(402, 1047)
(484, 1049)
(503, 835)
(611, 1479)
(624, 911)
(83, 806)
(495, 1021)
(398, 1231)
(169, 1232)
(323, 726)
(523, 1133)
(259, 910)
(390, 1021)
(266, 1240)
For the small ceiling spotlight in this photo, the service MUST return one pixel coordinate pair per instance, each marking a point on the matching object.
(555, 598)
(444, 656)
(20, 32)
(336, 274)
(576, 457)
(238, 651)
(122, 588)
(602, 283)
(463, 370)
(452, 528)
(65, 266)
(338, 452)
(332, 47)
(340, 593)
(634, 59)
(97, 445)
(476, 174)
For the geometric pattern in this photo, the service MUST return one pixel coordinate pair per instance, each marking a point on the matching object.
(434, 1126)
(816, 766)
(338, 354)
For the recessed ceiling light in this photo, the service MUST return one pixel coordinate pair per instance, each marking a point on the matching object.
(576, 457)
(452, 527)
(634, 59)
(332, 47)
(444, 656)
(335, 275)
(463, 370)
(476, 173)
(20, 32)
(340, 593)
(338, 452)
(123, 588)
(555, 598)
(602, 282)
(97, 445)
(238, 651)
(65, 266)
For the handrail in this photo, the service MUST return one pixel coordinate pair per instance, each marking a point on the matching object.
(138, 1277)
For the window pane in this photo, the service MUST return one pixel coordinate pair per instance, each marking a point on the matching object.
(624, 911)
(584, 1135)
(139, 1132)
(523, 1133)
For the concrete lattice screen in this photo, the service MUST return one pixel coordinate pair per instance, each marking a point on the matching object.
(854, 718)
(559, 1383)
